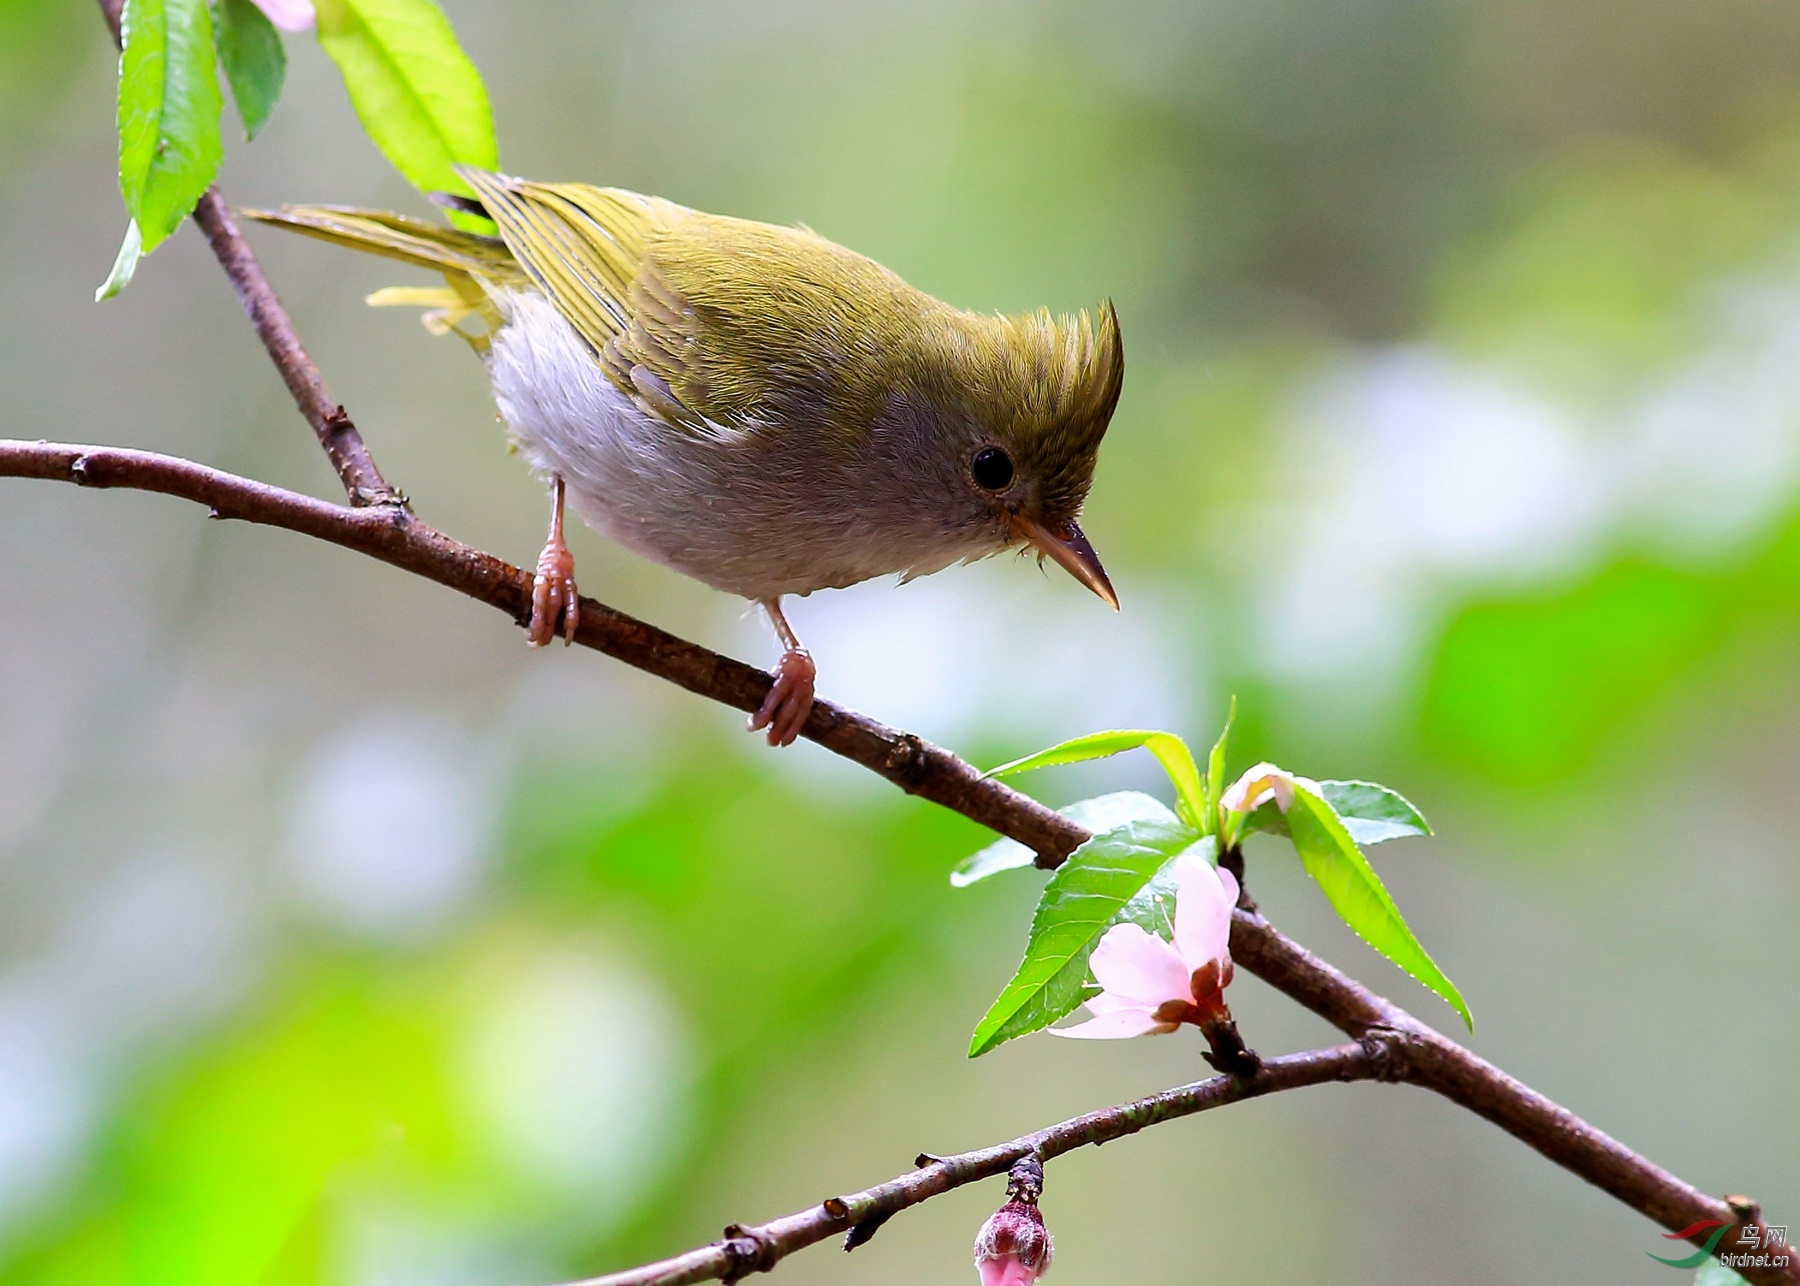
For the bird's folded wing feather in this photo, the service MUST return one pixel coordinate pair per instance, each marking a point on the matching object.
(709, 322)
(588, 249)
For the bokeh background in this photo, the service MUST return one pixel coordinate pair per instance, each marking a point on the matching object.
(343, 940)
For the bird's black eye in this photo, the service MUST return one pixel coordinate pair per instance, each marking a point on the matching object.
(992, 469)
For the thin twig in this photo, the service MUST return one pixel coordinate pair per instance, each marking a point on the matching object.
(760, 1248)
(1416, 1053)
(331, 424)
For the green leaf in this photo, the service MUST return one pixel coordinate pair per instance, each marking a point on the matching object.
(1170, 751)
(1101, 813)
(1151, 907)
(1081, 901)
(1215, 772)
(1371, 813)
(169, 106)
(1350, 884)
(1713, 1273)
(416, 92)
(255, 62)
(124, 265)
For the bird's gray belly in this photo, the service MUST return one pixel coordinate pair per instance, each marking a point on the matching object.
(759, 515)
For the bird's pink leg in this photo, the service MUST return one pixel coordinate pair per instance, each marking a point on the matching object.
(553, 592)
(790, 699)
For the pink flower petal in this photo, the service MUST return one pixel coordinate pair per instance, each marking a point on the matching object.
(1119, 1025)
(1204, 897)
(1005, 1271)
(1250, 791)
(289, 15)
(1107, 1002)
(1138, 966)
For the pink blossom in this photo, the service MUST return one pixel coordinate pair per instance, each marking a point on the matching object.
(289, 15)
(1260, 784)
(1149, 986)
(1013, 1247)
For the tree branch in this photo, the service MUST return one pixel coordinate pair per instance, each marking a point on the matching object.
(1392, 1044)
(1415, 1052)
(331, 424)
(396, 536)
(759, 1248)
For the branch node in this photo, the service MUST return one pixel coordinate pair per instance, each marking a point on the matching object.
(1229, 1053)
(836, 1207)
(78, 470)
(751, 1250)
(1025, 1181)
(906, 756)
(1748, 1209)
(927, 1158)
(379, 497)
(1390, 1053)
(863, 1232)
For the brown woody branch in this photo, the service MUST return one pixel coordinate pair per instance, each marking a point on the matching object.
(1414, 1052)
(396, 536)
(331, 424)
(1392, 1044)
(745, 1250)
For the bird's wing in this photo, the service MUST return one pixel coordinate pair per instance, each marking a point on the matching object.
(710, 322)
(588, 248)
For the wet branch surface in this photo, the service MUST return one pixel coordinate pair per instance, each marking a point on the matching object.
(1388, 1043)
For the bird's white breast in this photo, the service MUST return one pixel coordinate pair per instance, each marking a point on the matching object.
(757, 514)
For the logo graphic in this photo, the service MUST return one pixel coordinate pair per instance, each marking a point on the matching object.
(1751, 1237)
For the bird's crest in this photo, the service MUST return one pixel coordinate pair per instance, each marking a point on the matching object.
(1059, 380)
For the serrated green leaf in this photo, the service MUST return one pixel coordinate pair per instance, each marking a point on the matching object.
(255, 63)
(124, 263)
(1215, 773)
(1151, 907)
(1080, 902)
(169, 106)
(1350, 884)
(1170, 751)
(417, 94)
(1101, 813)
(1371, 813)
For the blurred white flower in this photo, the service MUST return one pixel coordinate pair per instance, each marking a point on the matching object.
(576, 1068)
(391, 824)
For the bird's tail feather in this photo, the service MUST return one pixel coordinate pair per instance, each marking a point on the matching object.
(470, 263)
(396, 236)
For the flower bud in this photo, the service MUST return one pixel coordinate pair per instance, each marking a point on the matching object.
(1013, 1247)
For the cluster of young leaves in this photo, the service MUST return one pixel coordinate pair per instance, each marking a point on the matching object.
(1123, 874)
(416, 92)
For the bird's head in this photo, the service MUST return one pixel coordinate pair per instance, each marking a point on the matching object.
(1035, 394)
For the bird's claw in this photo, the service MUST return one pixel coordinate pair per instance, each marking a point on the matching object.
(553, 595)
(790, 699)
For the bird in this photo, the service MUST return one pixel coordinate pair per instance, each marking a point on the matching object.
(752, 405)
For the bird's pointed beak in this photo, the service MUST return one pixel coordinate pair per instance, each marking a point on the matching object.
(1071, 550)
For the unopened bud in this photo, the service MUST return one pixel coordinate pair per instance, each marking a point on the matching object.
(1013, 1247)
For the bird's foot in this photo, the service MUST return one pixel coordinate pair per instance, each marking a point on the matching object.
(553, 595)
(790, 698)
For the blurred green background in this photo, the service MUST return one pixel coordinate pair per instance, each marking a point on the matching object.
(344, 941)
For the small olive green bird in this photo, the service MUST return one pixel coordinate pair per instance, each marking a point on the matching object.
(753, 405)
